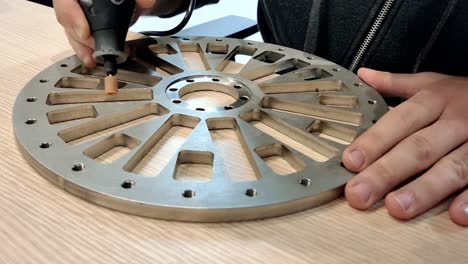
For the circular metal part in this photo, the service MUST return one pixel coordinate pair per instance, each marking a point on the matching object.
(288, 114)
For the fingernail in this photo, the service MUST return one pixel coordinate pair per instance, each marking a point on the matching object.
(363, 191)
(357, 158)
(465, 208)
(405, 200)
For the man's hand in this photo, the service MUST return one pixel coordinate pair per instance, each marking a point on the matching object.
(71, 17)
(422, 143)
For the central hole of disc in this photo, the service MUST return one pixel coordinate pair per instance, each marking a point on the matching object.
(207, 94)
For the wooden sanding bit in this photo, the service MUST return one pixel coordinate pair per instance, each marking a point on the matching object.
(109, 21)
(111, 85)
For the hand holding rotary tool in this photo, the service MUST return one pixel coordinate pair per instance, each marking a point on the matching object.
(101, 35)
(101, 26)
(109, 21)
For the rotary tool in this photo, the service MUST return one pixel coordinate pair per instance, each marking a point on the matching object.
(109, 21)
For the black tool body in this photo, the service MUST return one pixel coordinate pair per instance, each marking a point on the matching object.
(109, 21)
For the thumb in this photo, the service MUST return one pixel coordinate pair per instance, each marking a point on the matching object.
(397, 84)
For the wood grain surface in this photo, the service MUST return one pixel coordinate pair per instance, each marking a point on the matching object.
(40, 223)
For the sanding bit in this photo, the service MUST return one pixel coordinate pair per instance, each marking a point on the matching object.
(109, 21)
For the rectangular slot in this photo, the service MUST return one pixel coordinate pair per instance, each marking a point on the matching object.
(302, 87)
(233, 67)
(194, 166)
(84, 83)
(122, 75)
(315, 111)
(78, 82)
(338, 100)
(193, 56)
(280, 159)
(113, 154)
(266, 78)
(162, 72)
(236, 60)
(111, 148)
(146, 57)
(162, 146)
(72, 113)
(312, 74)
(162, 49)
(217, 48)
(279, 68)
(286, 140)
(269, 56)
(110, 124)
(334, 132)
(229, 144)
(293, 137)
(99, 96)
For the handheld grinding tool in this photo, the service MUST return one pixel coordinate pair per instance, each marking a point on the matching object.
(109, 21)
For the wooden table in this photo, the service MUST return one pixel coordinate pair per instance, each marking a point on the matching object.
(40, 223)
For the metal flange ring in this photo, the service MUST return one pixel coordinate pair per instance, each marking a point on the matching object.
(291, 113)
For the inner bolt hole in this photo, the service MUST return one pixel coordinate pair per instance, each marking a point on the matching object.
(31, 121)
(128, 184)
(45, 145)
(251, 192)
(78, 167)
(188, 194)
(305, 182)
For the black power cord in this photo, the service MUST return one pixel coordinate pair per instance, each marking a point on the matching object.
(177, 28)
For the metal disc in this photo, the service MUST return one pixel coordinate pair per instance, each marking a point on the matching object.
(291, 112)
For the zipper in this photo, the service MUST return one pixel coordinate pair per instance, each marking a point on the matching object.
(371, 34)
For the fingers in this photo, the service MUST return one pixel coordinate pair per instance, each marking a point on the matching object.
(70, 15)
(398, 85)
(458, 210)
(449, 175)
(409, 117)
(413, 155)
(84, 52)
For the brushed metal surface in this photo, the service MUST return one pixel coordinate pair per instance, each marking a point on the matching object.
(306, 98)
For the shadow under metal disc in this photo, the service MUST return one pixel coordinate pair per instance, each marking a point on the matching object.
(283, 102)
